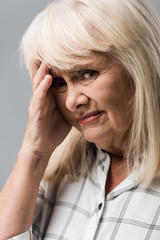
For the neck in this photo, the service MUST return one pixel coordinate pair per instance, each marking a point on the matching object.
(117, 172)
(117, 155)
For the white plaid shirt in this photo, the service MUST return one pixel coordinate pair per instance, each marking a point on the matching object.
(79, 210)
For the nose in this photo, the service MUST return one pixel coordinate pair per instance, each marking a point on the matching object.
(75, 98)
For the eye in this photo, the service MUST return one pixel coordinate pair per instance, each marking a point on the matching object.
(59, 84)
(86, 74)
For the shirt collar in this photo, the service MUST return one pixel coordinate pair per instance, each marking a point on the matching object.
(103, 164)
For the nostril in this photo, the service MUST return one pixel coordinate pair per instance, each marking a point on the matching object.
(75, 99)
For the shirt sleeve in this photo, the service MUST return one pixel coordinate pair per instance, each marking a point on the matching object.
(24, 236)
(29, 235)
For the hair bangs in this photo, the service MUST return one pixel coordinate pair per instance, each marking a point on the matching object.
(126, 30)
(59, 35)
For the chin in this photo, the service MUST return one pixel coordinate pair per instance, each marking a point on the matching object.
(94, 136)
(107, 140)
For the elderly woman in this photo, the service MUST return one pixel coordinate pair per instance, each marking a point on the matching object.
(95, 68)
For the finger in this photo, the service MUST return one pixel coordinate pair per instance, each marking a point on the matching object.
(43, 87)
(40, 75)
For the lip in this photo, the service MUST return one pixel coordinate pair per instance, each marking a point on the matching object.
(89, 117)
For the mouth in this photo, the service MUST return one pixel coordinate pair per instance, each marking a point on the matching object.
(89, 117)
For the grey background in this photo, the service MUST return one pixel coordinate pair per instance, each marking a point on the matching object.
(15, 87)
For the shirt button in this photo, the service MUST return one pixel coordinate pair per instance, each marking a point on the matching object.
(100, 206)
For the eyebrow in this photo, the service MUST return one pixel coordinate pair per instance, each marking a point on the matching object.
(92, 65)
(78, 68)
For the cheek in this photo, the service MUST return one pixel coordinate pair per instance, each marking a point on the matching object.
(61, 100)
(120, 114)
(61, 103)
(118, 108)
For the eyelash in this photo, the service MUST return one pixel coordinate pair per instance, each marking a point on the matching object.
(59, 83)
(92, 72)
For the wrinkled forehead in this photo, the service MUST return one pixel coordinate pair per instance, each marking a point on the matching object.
(94, 60)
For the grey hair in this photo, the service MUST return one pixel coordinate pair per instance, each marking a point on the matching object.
(128, 30)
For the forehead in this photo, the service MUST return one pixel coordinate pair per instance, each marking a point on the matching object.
(91, 61)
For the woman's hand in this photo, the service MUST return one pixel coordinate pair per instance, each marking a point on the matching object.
(46, 127)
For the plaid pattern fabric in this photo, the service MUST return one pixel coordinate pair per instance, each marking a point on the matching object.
(79, 210)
